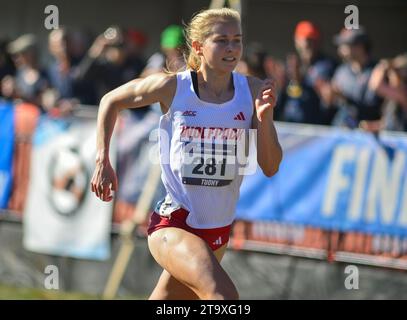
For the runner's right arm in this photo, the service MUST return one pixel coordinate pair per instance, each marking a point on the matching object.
(134, 94)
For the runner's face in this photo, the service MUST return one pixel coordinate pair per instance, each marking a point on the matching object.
(222, 50)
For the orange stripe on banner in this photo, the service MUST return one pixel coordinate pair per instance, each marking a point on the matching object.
(332, 242)
(26, 119)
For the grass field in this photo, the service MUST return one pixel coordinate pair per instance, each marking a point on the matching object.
(8, 292)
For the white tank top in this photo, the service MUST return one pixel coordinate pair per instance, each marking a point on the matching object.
(198, 153)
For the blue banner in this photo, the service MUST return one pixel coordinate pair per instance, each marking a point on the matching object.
(47, 128)
(6, 151)
(334, 179)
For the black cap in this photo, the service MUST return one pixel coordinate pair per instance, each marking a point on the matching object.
(351, 36)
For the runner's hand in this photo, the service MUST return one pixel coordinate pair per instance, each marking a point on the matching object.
(104, 181)
(266, 98)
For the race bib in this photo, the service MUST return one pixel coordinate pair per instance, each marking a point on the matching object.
(208, 160)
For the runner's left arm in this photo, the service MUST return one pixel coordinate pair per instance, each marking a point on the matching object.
(269, 151)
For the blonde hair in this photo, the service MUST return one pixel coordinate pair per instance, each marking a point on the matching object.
(200, 28)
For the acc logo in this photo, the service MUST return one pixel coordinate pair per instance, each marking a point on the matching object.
(68, 180)
(189, 113)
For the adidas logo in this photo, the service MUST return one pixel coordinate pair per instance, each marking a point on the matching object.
(239, 116)
(218, 241)
(189, 113)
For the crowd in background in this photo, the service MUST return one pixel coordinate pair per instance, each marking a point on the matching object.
(351, 89)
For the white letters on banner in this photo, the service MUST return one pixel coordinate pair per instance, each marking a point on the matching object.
(383, 181)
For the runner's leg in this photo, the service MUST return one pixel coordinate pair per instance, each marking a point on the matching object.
(190, 261)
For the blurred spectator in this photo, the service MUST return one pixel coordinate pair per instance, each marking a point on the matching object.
(8, 88)
(30, 80)
(136, 42)
(389, 80)
(358, 104)
(79, 42)
(171, 56)
(6, 64)
(7, 71)
(67, 90)
(59, 70)
(297, 102)
(316, 66)
(106, 63)
(302, 98)
(253, 61)
(275, 68)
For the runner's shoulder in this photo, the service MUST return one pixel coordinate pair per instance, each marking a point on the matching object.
(162, 81)
(162, 86)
